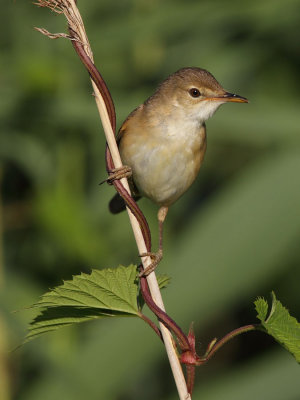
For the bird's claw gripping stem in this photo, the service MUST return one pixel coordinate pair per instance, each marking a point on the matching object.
(155, 258)
(118, 173)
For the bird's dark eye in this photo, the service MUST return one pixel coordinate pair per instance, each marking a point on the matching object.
(194, 92)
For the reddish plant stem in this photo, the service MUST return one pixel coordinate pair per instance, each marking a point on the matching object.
(97, 78)
(101, 85)
(136, 211)
(151, 324)
(225, 339)
(163, 317)
(190, 375)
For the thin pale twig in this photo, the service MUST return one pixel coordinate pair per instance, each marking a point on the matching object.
(53, 35)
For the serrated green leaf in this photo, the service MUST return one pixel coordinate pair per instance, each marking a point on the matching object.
(102, 293)
(284, 328)
(261, 307)
(163, 281)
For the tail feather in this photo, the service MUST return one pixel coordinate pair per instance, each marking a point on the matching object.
(117, 204)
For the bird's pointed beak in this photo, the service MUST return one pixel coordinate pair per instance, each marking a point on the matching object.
(230, 97)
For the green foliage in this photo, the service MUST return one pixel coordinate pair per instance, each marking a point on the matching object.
(233, 235)
(262, 308)
(105, 293)
(99, 294)
(280, 324)
(163, 280)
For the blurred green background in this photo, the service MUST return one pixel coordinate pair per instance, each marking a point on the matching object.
(232, 237)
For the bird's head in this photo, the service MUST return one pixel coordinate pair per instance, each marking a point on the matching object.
(196, 92)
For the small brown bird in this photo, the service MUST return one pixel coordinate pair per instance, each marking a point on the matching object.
(163, 141)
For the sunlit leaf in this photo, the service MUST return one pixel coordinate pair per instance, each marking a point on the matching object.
(280, 324)
(102, 293)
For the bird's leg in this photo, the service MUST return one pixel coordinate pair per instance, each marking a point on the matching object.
(117, 174)
(156, 257)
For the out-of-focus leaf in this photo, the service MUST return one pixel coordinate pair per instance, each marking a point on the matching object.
(268, 126)
(62, 213)
(230, 248)
(272, 377)
(163, 280)
(17, 146)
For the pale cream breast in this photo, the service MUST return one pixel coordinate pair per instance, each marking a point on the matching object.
(164, 164)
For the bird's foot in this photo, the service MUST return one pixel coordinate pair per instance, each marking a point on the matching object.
(117, 174)
(155, 260)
